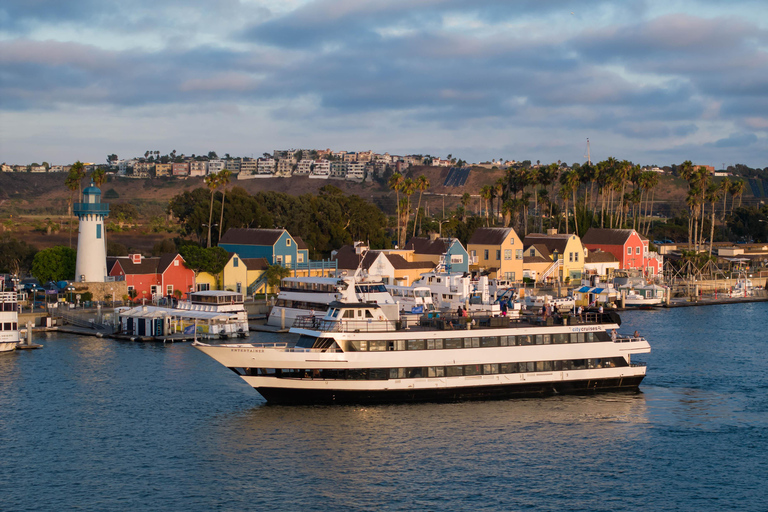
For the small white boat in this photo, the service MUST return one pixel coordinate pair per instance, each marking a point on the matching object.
(649, 295)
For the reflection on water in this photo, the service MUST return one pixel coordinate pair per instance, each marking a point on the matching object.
(119, 425)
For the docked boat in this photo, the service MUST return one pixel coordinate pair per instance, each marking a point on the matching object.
(650, 295)
(311, 296)
(357, 353)
(412, 299)
(210, 313)
(9, 321)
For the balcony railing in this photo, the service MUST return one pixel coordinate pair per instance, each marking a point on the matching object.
(94, 208)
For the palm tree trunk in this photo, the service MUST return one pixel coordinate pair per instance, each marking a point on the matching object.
(221, 218)
(712, 230)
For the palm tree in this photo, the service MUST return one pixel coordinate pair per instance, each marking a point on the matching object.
(395, 182)
(408, 187)
(72, 183)
(713, 195)
(737, 189)
(422, 183)
(212, 182)
(224, 178)
(725, 186)
(98, 177)
(465, 200)
(563, 194)
(570, 181)
(485, 194)
(499, 193)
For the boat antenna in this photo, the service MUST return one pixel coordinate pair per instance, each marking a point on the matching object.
(359, 269)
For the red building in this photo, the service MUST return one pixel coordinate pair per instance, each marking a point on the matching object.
(155, 277)
(627, 245)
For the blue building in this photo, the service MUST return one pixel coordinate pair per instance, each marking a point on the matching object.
(447, 254)
(277, 246)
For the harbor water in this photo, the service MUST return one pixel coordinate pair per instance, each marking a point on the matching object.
(98, 424)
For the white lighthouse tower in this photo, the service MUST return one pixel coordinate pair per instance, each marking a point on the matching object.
(91, 263)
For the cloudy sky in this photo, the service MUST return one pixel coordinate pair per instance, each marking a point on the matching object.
(655, 82)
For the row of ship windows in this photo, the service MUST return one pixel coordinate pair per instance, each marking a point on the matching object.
(300, 304)
(8, 326)
(477, 342)
(436, 371)
(9, 306)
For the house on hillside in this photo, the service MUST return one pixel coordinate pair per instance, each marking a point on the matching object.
(447, 253)
(153, 278)
(497, 251)
(628, 246)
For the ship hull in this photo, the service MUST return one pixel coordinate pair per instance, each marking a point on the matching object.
(292, 396)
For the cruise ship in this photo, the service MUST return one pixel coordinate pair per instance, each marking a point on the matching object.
(357, 353)
(312, 295)
(9, 321)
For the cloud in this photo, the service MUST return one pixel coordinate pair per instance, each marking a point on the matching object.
(735, 140)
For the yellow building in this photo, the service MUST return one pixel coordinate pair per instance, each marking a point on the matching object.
(498, 251)
(242, 275)
(565, 252)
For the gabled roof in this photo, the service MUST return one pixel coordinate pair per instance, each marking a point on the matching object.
(535, 259)
(553, 243)
(300, 243)
(489, 236)
(422, 245)
(252, 236)
(255, 263)
(540, 248)
(347, 259)
(597, 236)
(399, 262)
(153, 265)
(600, 257)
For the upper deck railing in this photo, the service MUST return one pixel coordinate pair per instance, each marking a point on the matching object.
(454, 322)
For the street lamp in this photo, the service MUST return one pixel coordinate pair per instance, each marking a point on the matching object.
(441, 222)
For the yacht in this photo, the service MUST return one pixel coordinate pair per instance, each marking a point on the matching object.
(9, 321)
(357, 353)
(310, 296)
(211, 313)
(412, 299)
(641, 296)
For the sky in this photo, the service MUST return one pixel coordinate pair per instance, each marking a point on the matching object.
(653, 82)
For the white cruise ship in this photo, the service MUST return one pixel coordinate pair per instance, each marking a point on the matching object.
(310, 296)
(358, 354)
(9, 321)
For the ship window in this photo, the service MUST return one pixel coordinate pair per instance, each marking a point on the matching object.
(489, 341)
(378, 374)
(349, 313)
(490, 369)
(368, 313)
(473, 369)
(508, 368)
(306, 341)
(560, 338)
(471, 342)
(577, 337)
(417, 344)
(377, 345)
(503, 340)
(414, 373)
(524, 340)
(393, 373)
(453, 343)
(430, 344)
(602, 336)
(7, 326)
(438, 344)
(454, 371)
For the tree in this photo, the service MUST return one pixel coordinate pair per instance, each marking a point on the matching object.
(737, 190)
(212, 182)
(485, 194)
(395, 183)
(98, 177)
(713, 195)
(275, 273)
(224, 177)
(422, 183)
(209, 259)
(54, 264)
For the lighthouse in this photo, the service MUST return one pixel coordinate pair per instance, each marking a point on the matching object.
(91, 263)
